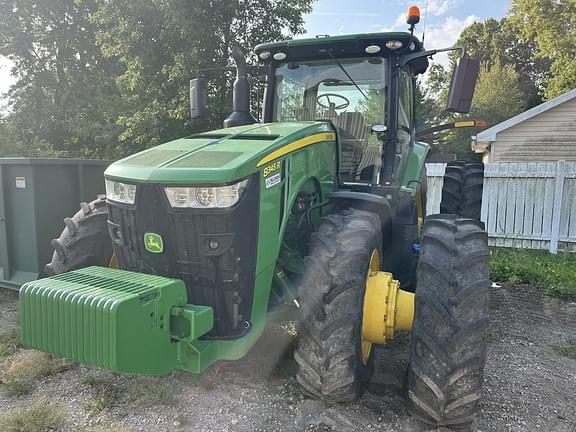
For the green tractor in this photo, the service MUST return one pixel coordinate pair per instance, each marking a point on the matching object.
(315, 214)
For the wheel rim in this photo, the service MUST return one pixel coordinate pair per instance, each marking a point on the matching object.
(373, 270)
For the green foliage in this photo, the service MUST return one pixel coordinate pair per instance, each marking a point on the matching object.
(107, 78)
(551, 24)
(556, 274)
(535, 49)
(65, 87)
(501, 42)
(498, 97)
(427, 109)
(40, 416)
(161, 43)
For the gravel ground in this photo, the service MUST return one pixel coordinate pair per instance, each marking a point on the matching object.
(528, 386)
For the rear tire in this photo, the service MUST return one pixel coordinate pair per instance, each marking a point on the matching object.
(462, 189)
(449, 338)
(452, 188)
(331, 296)
(84, 242)
(472, 185)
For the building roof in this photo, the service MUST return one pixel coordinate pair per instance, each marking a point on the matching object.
(489, 135)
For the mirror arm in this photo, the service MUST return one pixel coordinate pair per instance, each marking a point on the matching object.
(415, 56)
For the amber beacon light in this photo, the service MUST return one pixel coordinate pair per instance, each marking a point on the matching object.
(413, 16)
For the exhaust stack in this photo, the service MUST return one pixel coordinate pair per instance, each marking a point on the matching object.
(241, 98)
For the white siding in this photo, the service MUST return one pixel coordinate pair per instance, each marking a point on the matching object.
(548, 136)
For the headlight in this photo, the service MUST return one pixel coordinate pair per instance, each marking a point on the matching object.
(120, 192)
(205, 197)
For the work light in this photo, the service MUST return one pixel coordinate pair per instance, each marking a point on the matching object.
(205, 196)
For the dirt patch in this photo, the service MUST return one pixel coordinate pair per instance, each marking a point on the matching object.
(529, 385)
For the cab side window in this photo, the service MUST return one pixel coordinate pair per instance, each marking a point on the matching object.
(405, 110)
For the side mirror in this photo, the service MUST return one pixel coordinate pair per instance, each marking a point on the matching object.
(462, 85)
(197, 98)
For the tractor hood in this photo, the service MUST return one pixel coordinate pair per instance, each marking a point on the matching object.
(217, 156)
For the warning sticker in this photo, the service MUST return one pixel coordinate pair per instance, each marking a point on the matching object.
(272, 180)
(21, 182)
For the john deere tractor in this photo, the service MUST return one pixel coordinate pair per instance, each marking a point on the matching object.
(315, 214)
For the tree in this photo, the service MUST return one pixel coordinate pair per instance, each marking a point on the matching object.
(103, 78)
(502, 48)
(502, 42)
(497, 98)
(552, 26)
(161, 44)
(65, 88)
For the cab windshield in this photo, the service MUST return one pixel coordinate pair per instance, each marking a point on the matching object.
(352, 99)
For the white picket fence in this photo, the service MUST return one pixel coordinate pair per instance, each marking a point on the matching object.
(524, 205)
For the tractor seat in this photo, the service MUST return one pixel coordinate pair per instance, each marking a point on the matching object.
(353, 142)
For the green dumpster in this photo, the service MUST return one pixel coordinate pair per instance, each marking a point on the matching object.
(35, 196)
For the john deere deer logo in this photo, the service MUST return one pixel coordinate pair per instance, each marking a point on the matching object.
(153, 243)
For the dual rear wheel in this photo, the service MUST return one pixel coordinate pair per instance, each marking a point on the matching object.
(448, 347)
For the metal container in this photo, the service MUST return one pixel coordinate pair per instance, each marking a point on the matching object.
(35, 196)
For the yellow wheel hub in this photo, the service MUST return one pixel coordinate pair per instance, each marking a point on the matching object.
(387, 309)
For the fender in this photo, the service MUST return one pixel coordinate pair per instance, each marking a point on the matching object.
(364, 201)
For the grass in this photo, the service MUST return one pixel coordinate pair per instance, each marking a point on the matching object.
(9, 344)
(567, 350)
(144, 391)
(21, 371)
(555, 274)
(150, 391)
(106, 394)
(108, 428)
(39, 417)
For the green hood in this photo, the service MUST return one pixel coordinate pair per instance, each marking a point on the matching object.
(212, 157)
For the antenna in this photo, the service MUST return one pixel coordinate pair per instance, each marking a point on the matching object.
(425, 20)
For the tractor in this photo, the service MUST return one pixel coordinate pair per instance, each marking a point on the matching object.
(315, 214)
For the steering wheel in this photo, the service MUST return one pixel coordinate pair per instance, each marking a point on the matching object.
(332, 105)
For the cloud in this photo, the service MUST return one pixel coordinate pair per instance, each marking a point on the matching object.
(438, 7)
(445, 34)
(359, 14)
(399, 24)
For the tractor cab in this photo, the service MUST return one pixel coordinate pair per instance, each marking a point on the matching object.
(348, 81)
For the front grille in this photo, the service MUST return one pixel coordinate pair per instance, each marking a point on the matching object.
(221, 277)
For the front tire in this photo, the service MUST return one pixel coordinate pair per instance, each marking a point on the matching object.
(84, 242)
(331, 365)
(449, 337)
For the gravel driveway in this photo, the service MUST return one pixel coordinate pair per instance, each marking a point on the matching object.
(528, 385)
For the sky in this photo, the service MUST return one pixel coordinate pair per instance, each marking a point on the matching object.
(444, 22)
